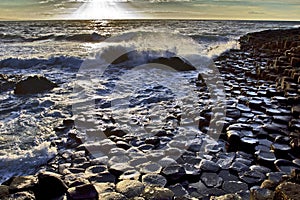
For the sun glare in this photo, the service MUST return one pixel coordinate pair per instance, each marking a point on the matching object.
(105, 9)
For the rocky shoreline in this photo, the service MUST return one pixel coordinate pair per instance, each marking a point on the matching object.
(256, 157)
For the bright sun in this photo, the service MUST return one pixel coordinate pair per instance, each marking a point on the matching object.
(104, 9)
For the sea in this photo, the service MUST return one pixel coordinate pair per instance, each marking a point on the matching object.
(79, 56)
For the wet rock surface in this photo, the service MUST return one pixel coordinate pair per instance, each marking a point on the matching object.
(256, 155)
(34, 85)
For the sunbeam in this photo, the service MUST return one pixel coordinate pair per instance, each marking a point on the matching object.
(105, 9)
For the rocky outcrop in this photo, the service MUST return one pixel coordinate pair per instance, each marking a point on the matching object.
(34, 85)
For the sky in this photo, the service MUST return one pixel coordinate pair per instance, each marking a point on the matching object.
(288, 10)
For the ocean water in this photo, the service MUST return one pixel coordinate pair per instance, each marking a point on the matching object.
(77, 55)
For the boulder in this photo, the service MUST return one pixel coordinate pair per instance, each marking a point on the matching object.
(130, 188)
(87, 191)
(21, 183)
(157, 193)
(176, 63)
(34, 85)
(4, 191)
(287, 191)
(50, 186)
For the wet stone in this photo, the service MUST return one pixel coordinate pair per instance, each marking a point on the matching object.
(227, 197)
(281, 150)
(123, 145)
(130, 188)
(262, 194)
(21, 183)
(225, 160)
(252, 177)
(243, 108)
(265, 158)
(51, 180)
(26, 195)
(276, 177)
(285, 166)
(4, 191)
(150, 167)
(245, 161)
(248, 144)
(268, 184)
(119, 168)
(155, 193)
(210, 166)
(111, 196)
(287, 191)
(261, 169)
(104, 187)
(211, 179)
(178, 190)
(173, 172)
(227, 176)
(154, 180)
(130, 175)
(198, 187)
(255, 104)
(238, 167)
(87, 191)
(96, 169)
(103, 177)
(233, 138)
(234, 186)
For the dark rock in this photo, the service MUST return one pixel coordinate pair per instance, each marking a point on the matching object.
(4, 191)
(261, 169)
(96, 169)
(269, 184)
(104, 187)
(173, 172)
(176, 63)
(87, 192)
(111, 196)
(285, 166)
(227, 176)
(21, 183)
(178, 190)
(252, 177)
(262, 194)
(287, 191)
(119, 168)
(234, 186)
(276, 177)
(211, 179)
(116, 132)
(103, 177)
(23, 196)
(281, 150)
(227, 197)
(50, 180)
(130, 188)
(234, 139)
(225, 160)
(265, 158)
(150, 167)
(130, 175)
(248, 144)
(33, 85)
(238, 167)
(154, 180)
(210, 166)
(157, 193)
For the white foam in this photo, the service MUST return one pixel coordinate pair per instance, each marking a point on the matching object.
(25, 161)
